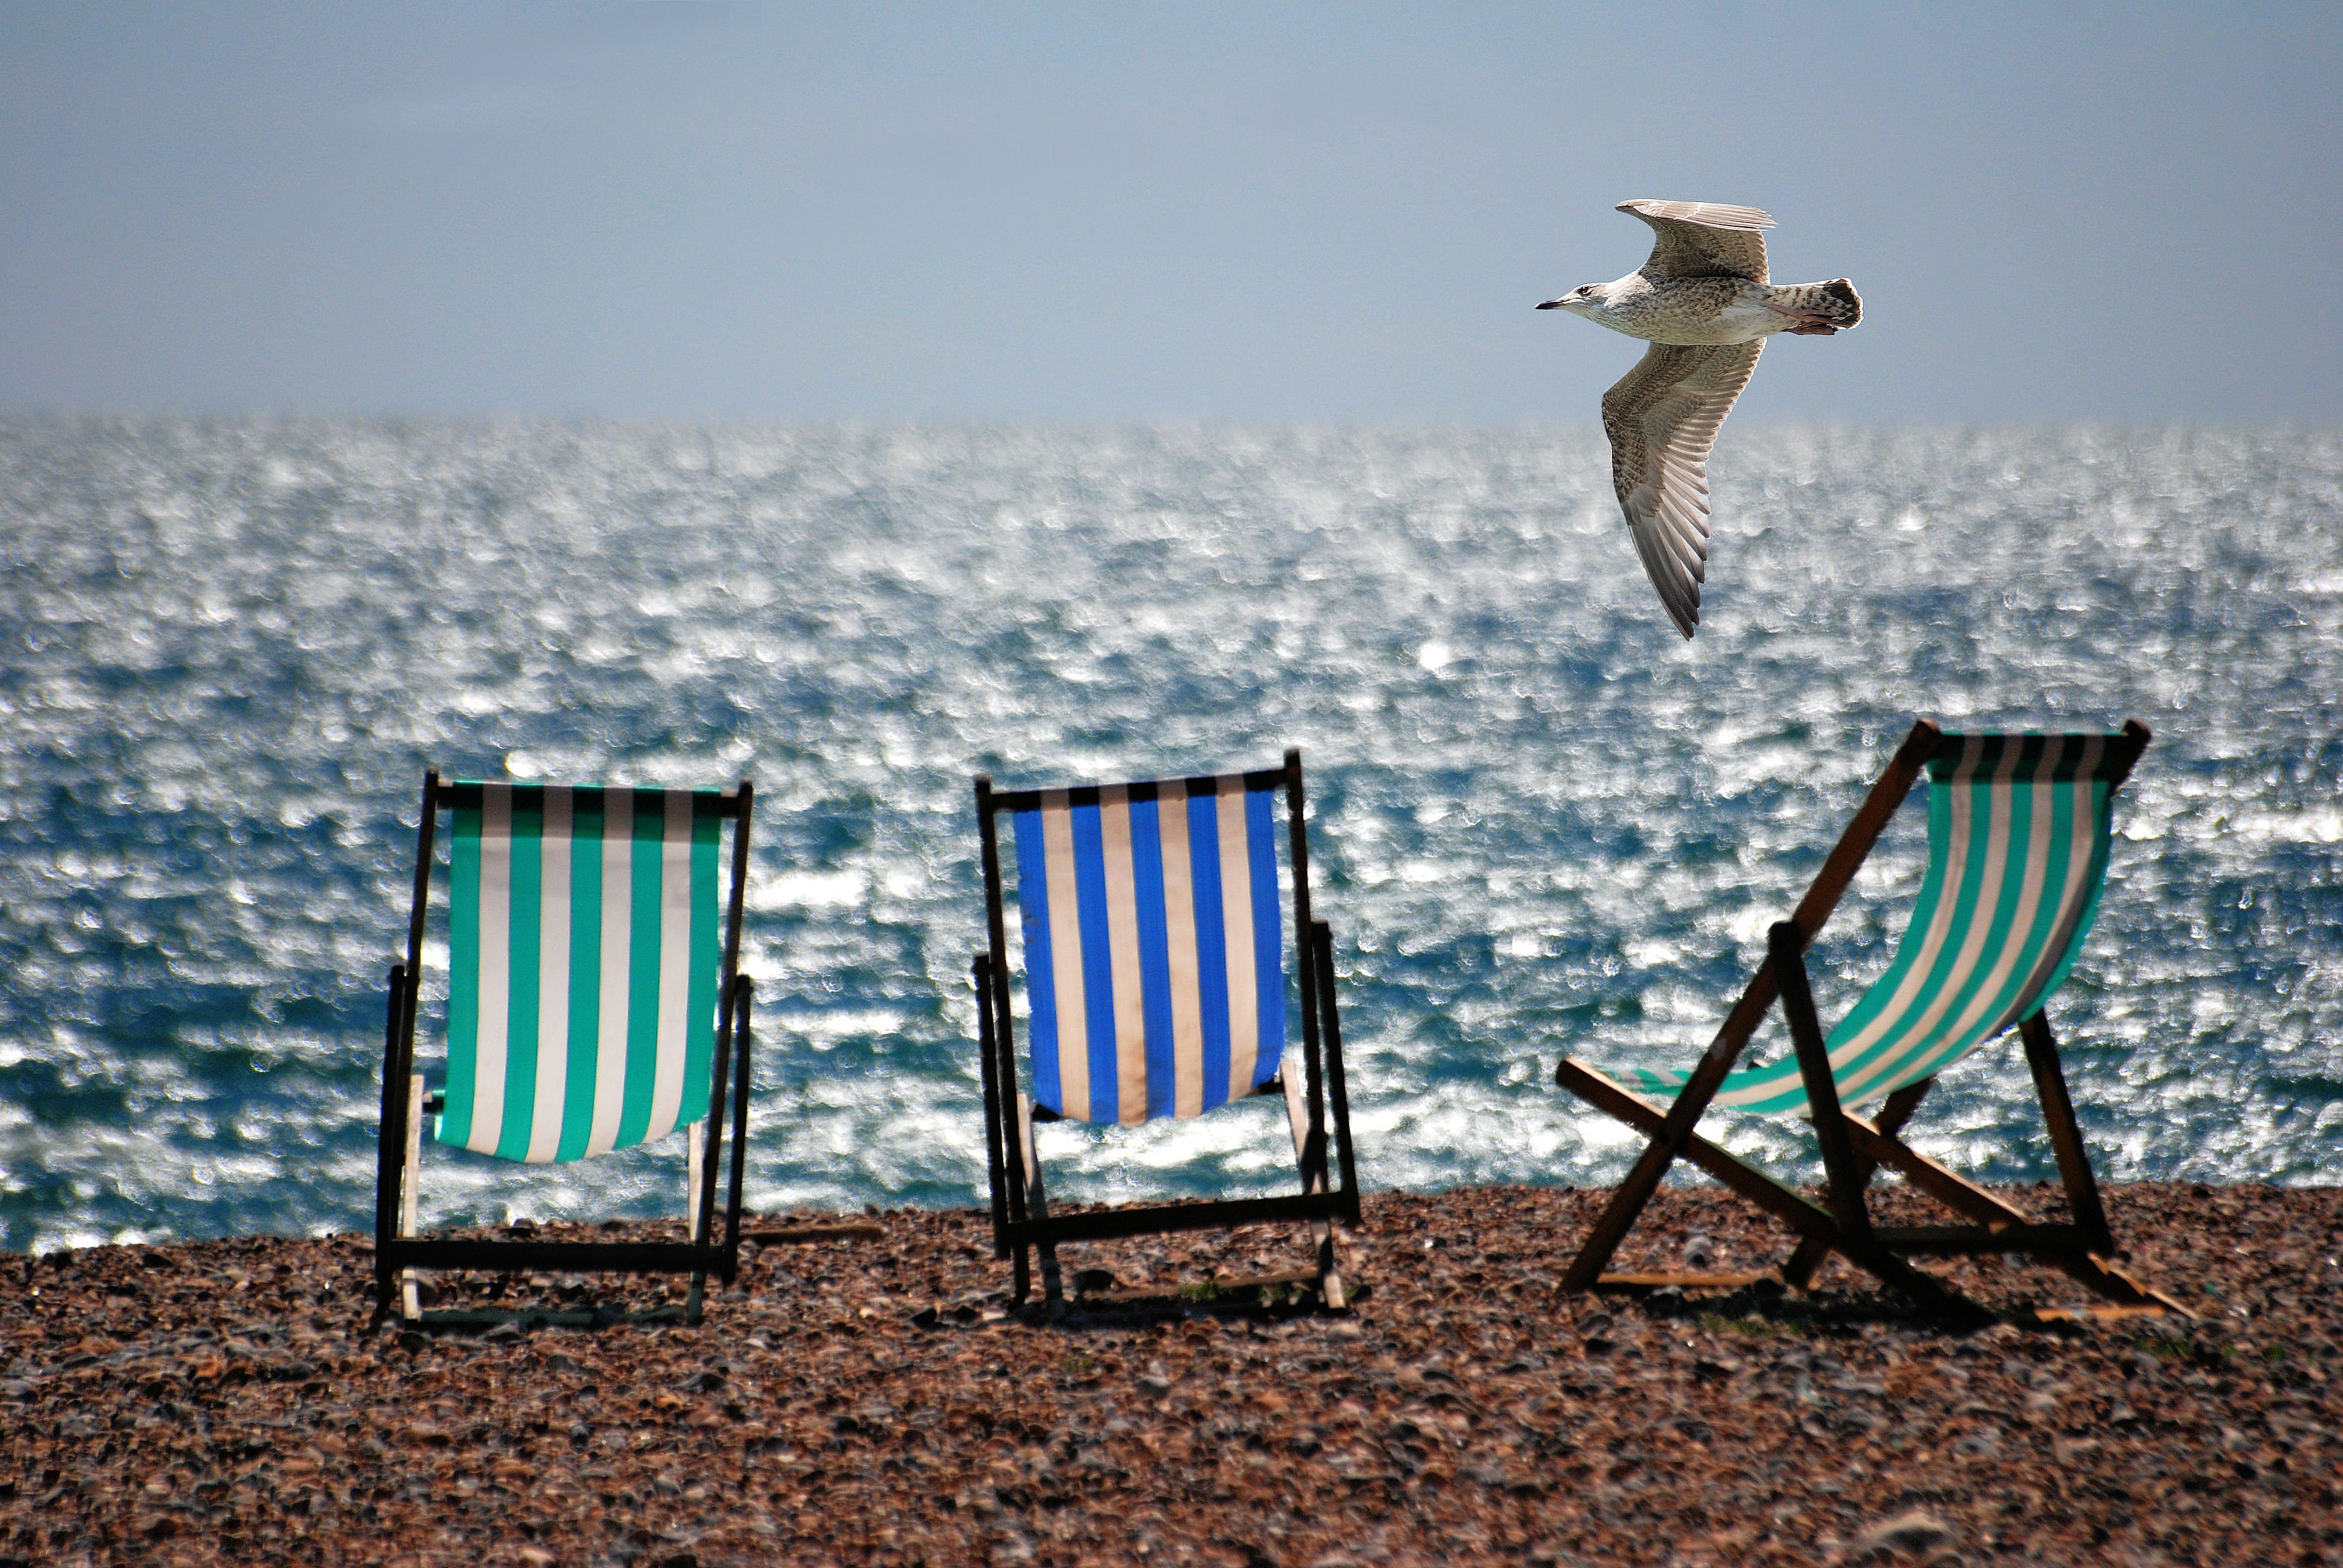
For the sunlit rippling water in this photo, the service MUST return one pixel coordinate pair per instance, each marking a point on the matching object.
(1543, 823)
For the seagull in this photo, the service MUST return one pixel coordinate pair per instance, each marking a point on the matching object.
(1702, 303)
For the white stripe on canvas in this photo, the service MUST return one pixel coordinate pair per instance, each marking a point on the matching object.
(1236, 935)
(1179, 943)
(617, 923)
(1066, 988)
(1123, 950)
(554, 851)
(495, 969)
(675, 966)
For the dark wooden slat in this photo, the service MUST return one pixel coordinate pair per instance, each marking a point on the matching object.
(2066, 1136)
(426, 830)
(1009, 1197)
(1962, 1240)
(389, 1156)
(837, 1231)
(720, 1080)
(1786, 949)
(2136, 738)
(981, 978)
(1955, 1191)
(398, 1064)
(449, 793)
(577, 1257)
(1653, 1281)
(1256, 780)
(1871, 820)
(1104, 1224)
(741, 1021)
(1314, 1159)
(1337, 1093)
(1822, 897)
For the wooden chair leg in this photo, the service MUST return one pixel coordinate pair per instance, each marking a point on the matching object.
(1799, 1272)
(1668, 1141)
(1847, 1180)
(1037, 1206)
(2066, 1136)
(695, 1159)
(1312, 1163)
(410, 1284)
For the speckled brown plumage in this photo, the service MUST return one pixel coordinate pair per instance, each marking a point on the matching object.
(1705, 302)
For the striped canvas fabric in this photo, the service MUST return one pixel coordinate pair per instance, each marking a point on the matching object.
(583, 966)
(2017, 851)
(1154, 950)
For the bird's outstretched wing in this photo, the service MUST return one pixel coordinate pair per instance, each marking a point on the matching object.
(1703, 239)
(1663, 418)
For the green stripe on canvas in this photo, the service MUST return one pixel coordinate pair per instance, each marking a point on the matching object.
(585, 972)
(706, 956)
(643, 970)
(526, 940)
(463, 974)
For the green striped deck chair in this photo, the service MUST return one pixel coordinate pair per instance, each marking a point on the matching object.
(2018, 832)
(1155, 987)
(595, 1001)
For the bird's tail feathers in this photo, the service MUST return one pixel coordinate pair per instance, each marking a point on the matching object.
(1835, 301)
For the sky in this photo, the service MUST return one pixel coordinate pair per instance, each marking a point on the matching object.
(1100, 213)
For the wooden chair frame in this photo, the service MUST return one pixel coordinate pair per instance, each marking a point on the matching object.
(1854, 1147)
(1022, 1220)
(399, 1253)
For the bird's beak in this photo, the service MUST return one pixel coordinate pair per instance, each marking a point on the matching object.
(1554, 305)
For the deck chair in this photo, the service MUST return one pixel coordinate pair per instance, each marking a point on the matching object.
(595, 1001)
(1155, 986)
(2017, 852)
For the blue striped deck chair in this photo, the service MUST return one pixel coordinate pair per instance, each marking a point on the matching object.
(1155, 986)
(2019, 833)
(595, 1000)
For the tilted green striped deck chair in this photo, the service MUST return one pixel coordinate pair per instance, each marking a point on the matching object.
(1155, 986)
(2018, 853)
(592, 975)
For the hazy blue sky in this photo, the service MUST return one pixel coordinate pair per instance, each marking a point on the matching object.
(1191, 210)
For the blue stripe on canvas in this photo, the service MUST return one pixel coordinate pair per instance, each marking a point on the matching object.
(1098, 960)
(1154, 954)
(1041, 969)
(1211, 944)
(1267, 934)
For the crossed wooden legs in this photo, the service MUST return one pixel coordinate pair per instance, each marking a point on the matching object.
(1852, 1149)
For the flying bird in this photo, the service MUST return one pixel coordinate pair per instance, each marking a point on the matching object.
(1704, 305)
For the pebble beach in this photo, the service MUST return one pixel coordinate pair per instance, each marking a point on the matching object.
(874, 1399)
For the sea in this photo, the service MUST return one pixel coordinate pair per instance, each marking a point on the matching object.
(1540, 822)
